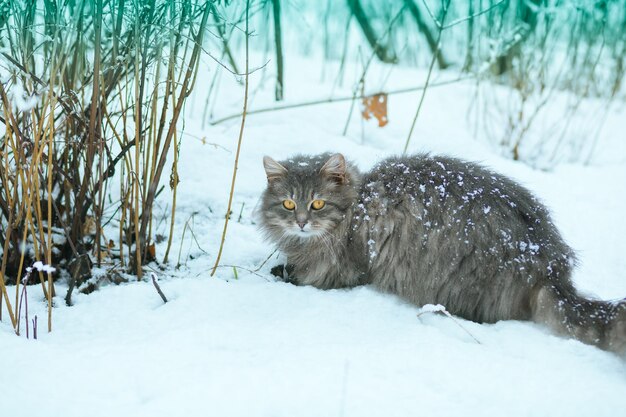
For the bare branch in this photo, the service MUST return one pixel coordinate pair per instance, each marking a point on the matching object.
(158, 287)
(336, 100)
(466, 18)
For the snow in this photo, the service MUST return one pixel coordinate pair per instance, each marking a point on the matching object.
(20, 99)
(431, 308)
(39, 266)
(246, 344)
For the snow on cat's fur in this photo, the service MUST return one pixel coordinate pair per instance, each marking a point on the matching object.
(432, 230)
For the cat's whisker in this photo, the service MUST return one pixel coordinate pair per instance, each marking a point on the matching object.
(339, 241)
(324, 238)
(328, 237)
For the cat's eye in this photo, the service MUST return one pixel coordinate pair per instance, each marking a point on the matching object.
(318, 204)
(289, 204)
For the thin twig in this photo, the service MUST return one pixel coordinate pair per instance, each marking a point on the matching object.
(338, 99)
(245, 269)
(441, 26)
(265, 261)
(241, 212)
(243, 122)
(193, 236)
(441, 309)
(451, 317)
(430, 71)
(466, 18)
(158, 288)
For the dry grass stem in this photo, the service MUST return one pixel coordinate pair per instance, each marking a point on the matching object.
(243, 123)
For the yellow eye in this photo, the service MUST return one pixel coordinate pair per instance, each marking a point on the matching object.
(318, 204)
(289, 204)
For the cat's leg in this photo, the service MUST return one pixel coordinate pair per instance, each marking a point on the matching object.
(599, 323)
(284, 271)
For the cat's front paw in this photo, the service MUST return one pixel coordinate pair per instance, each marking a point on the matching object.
(285, 272)
(278, 271)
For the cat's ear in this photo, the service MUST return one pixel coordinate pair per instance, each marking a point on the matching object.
(273, 169)
(335, 169)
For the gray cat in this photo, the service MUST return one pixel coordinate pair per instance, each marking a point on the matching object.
(432, 230)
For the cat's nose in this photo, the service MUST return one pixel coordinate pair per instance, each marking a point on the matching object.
(302, 224)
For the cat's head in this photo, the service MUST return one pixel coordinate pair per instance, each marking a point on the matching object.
(307, 196)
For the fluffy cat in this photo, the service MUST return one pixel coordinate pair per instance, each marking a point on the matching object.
(432, 230)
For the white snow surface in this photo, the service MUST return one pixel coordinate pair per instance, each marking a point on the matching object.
(249, 345)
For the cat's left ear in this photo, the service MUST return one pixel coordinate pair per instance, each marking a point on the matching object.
(273, 169)
(335, 169)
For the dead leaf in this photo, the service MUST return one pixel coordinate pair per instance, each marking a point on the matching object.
(376, 106)
(174, 178)
(89, 227)
(151, 251)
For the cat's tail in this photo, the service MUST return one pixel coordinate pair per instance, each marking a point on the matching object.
(599, 323)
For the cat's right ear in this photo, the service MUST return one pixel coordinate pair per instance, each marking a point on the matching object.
(273, 169)
(335, 169)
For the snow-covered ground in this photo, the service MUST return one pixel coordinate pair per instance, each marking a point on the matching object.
(243, 344)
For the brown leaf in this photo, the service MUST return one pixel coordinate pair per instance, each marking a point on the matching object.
(174, 178)
(376, 106)
(151, 251)
(89, 227)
